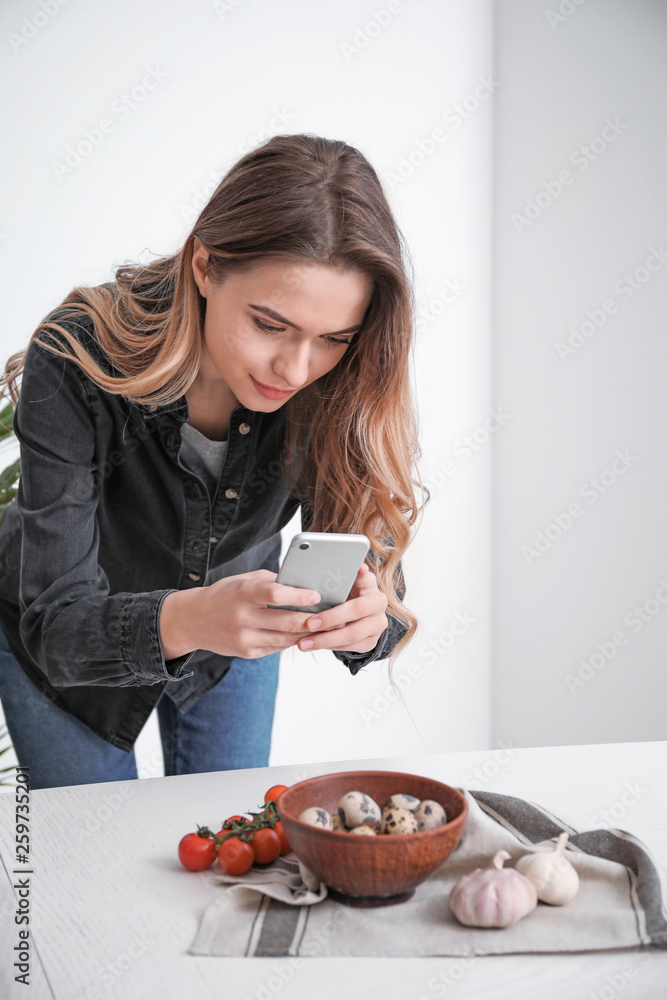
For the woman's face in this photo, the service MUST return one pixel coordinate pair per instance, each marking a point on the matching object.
(283, 325)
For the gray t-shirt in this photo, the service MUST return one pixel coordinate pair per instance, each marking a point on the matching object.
(202, 456)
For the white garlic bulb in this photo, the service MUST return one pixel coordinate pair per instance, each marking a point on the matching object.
(493, 896)
(554, 878)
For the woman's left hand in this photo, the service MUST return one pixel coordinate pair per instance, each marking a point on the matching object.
(358, 622)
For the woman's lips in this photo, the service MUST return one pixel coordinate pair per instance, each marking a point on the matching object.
(268, 392)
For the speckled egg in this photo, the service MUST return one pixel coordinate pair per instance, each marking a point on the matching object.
(355, 808)
(365, 830)
(401, 801)
(430, 814)
(338, 823)
(315, 816)
(399, 821)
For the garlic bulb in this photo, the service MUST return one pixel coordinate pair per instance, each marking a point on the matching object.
(493, 896)
(554, 878)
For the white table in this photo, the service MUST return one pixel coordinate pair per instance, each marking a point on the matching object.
(113, 913)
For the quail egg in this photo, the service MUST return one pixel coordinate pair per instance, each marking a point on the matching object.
(337, 823)
(430, 814)
(315, 816)
(399, 821)
(401, 801)
(365, 830)
(355, 808)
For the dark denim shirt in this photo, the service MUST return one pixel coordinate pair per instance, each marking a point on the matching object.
(107, 522)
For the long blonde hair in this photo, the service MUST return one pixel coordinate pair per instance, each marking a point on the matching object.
(352, 434)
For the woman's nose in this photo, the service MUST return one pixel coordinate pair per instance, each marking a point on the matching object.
(292, 366)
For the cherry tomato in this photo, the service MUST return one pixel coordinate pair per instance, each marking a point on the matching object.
(284, 842)
(235, 857)
(243, 819)
(266, 844)
(274, 792)
(196, 853)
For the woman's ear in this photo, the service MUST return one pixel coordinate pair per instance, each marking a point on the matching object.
(199, 260)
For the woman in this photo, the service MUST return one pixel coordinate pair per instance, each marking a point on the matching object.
(171, 423)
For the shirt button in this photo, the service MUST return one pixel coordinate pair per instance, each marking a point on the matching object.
(230, 494)
(213, 540)
(244, 428)
(194, 576)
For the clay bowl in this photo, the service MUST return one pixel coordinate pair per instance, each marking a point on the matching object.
(370, 871)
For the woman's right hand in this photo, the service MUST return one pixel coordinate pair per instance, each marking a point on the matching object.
(231, 617)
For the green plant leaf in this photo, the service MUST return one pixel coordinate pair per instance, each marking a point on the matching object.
(6, 421)
(9, 476)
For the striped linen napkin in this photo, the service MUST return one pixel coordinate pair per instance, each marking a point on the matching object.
(285, 910)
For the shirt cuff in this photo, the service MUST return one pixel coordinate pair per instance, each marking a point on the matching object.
(141, 647)
(385, 645)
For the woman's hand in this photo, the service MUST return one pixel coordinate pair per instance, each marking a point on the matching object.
(361, 619)
(231, 616)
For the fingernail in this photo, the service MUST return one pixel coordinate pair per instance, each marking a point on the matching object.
(314, 599)
(314, 623)
(307, 644)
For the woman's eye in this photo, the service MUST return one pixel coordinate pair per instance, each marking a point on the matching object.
(273, 331)
(334, 340)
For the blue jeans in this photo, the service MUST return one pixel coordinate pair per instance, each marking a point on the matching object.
(227, 728)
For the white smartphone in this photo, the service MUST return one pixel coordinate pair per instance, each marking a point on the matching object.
(327, 562)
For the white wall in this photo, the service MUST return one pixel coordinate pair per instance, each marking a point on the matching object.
(224, 76)
(444, 207)
(561, 81)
